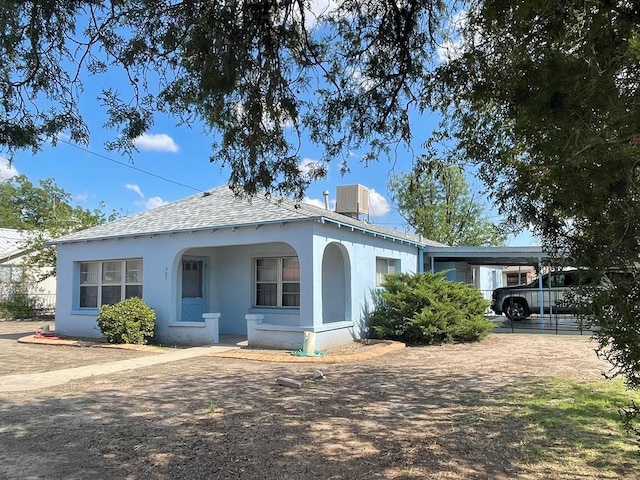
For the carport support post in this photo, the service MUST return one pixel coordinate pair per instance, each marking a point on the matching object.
(541, 295)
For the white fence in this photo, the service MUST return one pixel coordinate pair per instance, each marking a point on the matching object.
(14, 306)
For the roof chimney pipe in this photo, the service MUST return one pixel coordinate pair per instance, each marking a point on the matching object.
(325, 194)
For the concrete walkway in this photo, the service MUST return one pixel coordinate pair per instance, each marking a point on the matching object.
(32, 381)
(229, 349)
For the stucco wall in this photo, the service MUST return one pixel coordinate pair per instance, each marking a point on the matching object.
(362, 262)
(229, 255)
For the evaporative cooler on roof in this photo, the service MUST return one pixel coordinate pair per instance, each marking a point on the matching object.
(352, 200)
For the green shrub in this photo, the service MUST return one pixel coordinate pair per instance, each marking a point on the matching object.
(17, 304)
(128, 321)
(17, 307)
(425, 308)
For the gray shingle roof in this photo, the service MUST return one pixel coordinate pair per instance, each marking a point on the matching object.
(12, 242)
(220, 208)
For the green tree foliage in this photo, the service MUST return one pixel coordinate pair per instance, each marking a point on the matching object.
(426, 308)
(437, 203)
(128, 321)
(258, 73)
(45, 212)
(545, 97)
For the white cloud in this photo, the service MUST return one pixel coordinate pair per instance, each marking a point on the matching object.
(449, 50)
(319, 203)
(317, 9)
(453, 46)
(154, 202)
(7, 170)
(64, 137)
(308, 167)
(313, 201)
(81, 197)
(135, 188)
(378, 205)
(322, 7)
(160, 142)
(147, 203)
(284, 120)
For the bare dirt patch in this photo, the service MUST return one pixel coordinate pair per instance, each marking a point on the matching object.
(24, 358)
(420, 413)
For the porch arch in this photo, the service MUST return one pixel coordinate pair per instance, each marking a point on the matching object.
(336, 284)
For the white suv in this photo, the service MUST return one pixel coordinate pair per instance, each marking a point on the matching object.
(519, 302)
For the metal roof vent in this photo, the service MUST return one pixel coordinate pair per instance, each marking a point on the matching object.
(352, 200)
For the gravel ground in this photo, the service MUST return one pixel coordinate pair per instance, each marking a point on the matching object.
(428, 412)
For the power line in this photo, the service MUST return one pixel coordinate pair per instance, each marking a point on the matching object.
(86, 150)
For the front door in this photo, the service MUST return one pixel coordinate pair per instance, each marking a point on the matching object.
(193, 289)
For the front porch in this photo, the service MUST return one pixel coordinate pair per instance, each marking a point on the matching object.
(269, 293)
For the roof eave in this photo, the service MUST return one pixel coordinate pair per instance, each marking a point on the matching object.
(281, 222)
(212, 228)
(373, 233)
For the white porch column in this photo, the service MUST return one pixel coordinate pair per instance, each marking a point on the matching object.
(253, 320)
(211, 321)
(310, 283)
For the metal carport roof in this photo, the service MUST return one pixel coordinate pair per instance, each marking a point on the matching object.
(489, 256)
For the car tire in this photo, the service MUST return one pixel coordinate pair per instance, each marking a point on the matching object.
(516, 309)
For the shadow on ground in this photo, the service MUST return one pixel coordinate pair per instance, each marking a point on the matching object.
(221, 418)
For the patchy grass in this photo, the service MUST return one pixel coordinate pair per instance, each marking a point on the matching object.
(213, 407)
(569, 425)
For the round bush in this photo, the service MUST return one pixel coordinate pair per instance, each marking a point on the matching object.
(128, 321)
(425, 308)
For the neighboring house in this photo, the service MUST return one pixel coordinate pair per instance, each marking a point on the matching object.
(20, 284)
(11, 252)
(518, 275)
(15, 274)
(266, 268)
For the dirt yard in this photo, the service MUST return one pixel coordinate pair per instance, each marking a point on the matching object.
(421, 413)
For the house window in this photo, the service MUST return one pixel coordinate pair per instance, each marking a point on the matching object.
(516, 279)
(277, 282)
(11, 273)
(385, 266)
(106, 283)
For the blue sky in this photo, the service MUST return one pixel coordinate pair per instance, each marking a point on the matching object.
(173, 163)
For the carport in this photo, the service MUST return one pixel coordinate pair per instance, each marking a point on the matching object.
(440, 258)
(437, 257)
(489, 256)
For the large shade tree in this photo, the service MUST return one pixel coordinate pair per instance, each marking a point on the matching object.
(260, 75)
(544, 96)
(44, 211)
(438, 203)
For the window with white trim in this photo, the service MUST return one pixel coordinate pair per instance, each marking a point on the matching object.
(385, 266)
(11, 273)
(106, 283)
(277, 282)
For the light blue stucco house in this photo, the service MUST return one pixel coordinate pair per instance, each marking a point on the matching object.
(213, 264)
